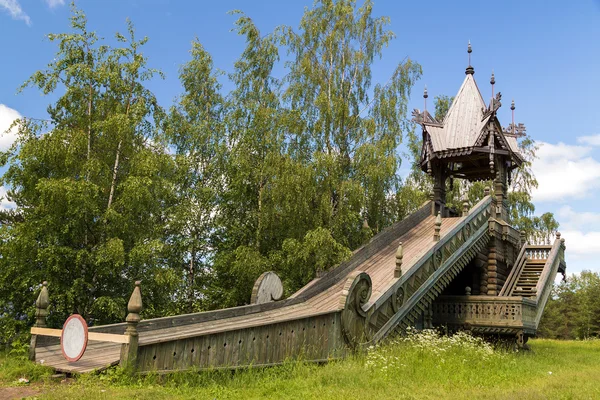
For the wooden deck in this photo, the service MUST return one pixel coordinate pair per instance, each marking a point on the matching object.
(380, 267)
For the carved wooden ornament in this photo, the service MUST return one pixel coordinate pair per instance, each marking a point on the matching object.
(267, 288)
(74, 338)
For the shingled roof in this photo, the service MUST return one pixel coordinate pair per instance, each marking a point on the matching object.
(465, 123)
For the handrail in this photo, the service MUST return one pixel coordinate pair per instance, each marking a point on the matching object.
(546, 281)
(513, 277)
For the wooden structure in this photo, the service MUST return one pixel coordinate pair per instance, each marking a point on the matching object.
(436, 267)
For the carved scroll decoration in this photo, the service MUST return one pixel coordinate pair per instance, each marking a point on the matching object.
(356, 293)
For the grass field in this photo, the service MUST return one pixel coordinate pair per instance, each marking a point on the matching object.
(423, 366)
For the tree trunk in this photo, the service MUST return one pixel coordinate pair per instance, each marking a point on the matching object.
(114, 177)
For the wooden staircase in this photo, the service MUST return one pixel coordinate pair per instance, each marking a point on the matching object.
(524, 279)
(529, 278)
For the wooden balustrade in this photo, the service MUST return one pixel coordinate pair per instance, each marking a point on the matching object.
(486, 313)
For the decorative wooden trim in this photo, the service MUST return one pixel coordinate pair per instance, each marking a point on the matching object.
(435, 283)
(267, 288)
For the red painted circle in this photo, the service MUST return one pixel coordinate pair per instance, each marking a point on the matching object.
(85, 340)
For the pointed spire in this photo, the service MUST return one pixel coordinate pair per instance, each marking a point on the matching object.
(470, 70)
(493, 82)
(512, 109)
(425, 96)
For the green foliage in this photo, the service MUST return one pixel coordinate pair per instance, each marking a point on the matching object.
(298, 260)
(195, 131)
(573, 311)
(431, 368)
(310, 160)
(285, 174)
(15, 365)
(90, 186)
(442, 106)
(350, 125)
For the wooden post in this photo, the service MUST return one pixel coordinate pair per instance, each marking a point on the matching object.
(399, 255)
(134, 307)
(438, 226)
(41, 312)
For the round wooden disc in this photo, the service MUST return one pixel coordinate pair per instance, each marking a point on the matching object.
(74, 338)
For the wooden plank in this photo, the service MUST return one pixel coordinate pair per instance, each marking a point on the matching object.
(46, 332)
(101, 337)
(108, 337)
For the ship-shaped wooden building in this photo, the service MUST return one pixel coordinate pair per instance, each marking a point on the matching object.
(436, 268)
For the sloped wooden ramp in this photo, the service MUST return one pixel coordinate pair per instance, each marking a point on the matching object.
(375, 293)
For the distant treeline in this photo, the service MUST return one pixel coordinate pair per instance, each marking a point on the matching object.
(573, 311)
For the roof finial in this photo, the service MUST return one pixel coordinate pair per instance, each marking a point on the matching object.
(512, 108)
(470, 70)
(425, 96)
(493, 82)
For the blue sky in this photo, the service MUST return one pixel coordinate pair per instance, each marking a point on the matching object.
(545, 55)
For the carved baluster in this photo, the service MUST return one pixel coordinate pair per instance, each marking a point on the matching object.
(399, 255)
(134, 307)
(41, 306)
(41, 312)
(465, 205)
(438, 226)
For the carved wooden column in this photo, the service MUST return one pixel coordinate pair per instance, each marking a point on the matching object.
(439, 187)
(41, 312)
(492, 272)
(501, 194)
(134, 307)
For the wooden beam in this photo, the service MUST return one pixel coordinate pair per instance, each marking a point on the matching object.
(46, 332)
(96, 336)
(108, 337)
(487, 150)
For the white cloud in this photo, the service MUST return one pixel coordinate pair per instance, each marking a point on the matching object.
(14, 9)
(592, 140)
(55, 3)
(565, 171)
(7, 116)
(582, 243)
(581, 231)
(5, 204)
(573, 220)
